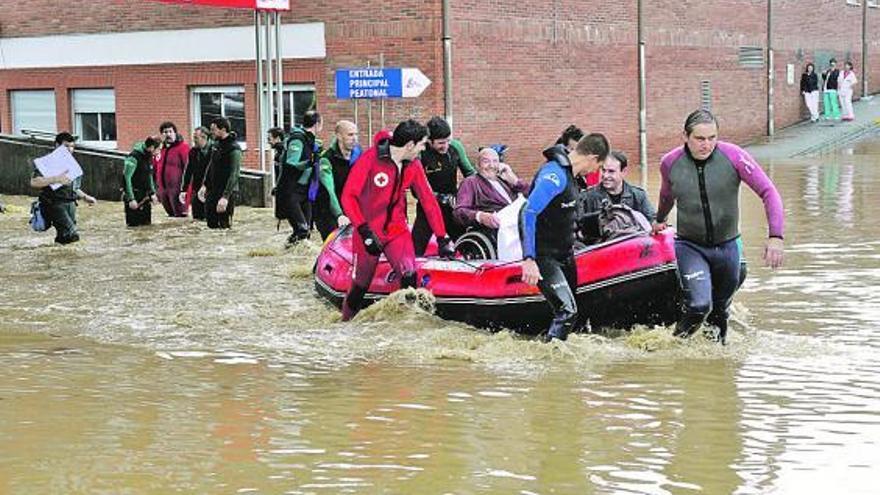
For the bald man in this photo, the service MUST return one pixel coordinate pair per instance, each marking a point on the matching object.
(336, 162)
(482, 195)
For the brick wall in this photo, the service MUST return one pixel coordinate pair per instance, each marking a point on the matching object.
(802, 35)
(149, 94)
(522, 71)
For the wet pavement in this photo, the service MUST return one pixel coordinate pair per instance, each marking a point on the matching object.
(825, 136)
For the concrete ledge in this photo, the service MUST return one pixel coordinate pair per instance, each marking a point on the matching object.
(837, 140)
(806, 138)
(102, 169)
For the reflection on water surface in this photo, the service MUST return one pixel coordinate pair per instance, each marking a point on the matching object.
(175, 358)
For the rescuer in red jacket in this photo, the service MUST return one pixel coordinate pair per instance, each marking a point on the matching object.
(374, 199)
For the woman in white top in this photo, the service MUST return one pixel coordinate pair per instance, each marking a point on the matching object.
(845, 83)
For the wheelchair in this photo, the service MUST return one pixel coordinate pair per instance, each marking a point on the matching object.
(478, 244)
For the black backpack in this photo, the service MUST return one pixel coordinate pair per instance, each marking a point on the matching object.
(621, 220)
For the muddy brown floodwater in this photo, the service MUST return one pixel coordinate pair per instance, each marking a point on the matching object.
(176, 359)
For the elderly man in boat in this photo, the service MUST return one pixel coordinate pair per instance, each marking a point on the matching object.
(481, 196)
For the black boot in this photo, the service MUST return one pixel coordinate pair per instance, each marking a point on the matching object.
(296, 237)
(559, 328)
(719, 320)
(688, 325)
(408, 280)
(352, 302)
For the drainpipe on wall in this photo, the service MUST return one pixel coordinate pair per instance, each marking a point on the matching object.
(770, 116)
(258, 27)
(864, 48)
(447, 63)
(269, 118)
(279, 76)
(643, 97)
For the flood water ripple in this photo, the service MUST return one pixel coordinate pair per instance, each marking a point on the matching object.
(174, 358)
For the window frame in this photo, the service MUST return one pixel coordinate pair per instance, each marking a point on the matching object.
(195, 105)
(77, 125)
(288, 90)
(12, 107)
(873, 4)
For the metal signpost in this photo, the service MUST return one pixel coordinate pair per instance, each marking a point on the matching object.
(267, 58)
(270, 82)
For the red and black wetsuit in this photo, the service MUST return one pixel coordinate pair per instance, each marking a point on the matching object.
(375, 195)
(172, 162)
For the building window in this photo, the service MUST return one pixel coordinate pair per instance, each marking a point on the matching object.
(33, 111)
(871, 3)
(226, 101)
(298, 97)
(94, 116)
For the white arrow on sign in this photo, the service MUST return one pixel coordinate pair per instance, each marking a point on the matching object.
(414, 82)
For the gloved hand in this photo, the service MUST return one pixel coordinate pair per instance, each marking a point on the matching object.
(372, 243)
(445, 247)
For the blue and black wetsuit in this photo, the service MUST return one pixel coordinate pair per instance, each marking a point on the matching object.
(547, 231)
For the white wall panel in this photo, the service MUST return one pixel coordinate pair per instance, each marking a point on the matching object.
(152, 47)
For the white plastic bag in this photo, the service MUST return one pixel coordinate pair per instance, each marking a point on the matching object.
(509, 245)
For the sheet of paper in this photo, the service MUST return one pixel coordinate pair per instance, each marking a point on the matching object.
(60, 161)
(509, 246)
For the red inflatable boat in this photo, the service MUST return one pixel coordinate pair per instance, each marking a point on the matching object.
(621, 282)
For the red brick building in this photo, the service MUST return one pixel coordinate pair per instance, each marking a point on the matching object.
(522, 71)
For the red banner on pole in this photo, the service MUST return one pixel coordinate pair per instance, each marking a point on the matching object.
(237, 4)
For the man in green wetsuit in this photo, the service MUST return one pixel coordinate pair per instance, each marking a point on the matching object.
(442, 159)
(336, 163)
(140, 189)
(292, 190)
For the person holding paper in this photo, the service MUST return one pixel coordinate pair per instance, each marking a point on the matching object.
(140, 188)
(59, 192)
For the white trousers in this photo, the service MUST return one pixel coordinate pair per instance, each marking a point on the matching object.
(846, 108)
(812, 101)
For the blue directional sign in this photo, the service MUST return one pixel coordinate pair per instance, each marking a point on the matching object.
(375, 82)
